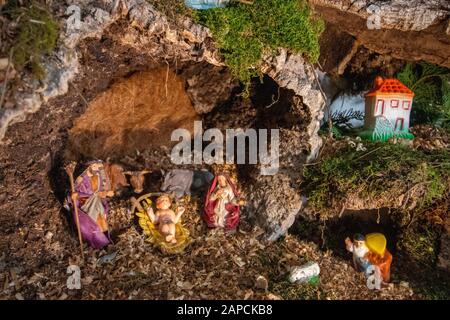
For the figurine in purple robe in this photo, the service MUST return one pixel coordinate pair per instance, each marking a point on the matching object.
(92, 188)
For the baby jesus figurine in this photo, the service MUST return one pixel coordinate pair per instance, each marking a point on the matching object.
(165, 218)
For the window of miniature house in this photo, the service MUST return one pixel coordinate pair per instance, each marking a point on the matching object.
(406, 104)
(379, 107)
(399, 124)
(394, 103)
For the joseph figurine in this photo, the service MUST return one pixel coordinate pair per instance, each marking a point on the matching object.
(92, 188)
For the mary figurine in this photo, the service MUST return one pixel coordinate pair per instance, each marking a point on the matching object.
(222, 204)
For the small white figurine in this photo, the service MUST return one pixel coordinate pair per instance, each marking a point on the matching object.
(304, 273)
(359, 249)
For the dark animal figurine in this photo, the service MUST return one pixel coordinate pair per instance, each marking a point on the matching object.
(137, 179)
(181, 182)
(118, 178)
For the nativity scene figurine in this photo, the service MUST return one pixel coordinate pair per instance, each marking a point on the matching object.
(165, 218)
(88, 200)
(370, 252)
(162, 226)
(91, 190)
(222, 204)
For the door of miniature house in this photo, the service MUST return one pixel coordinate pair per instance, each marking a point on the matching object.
(388, 108)
(399, 124)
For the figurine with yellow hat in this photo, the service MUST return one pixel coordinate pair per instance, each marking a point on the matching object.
(379, 255)
(370, 250)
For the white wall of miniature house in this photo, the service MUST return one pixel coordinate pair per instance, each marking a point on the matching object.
(361, 103)
(395, 108)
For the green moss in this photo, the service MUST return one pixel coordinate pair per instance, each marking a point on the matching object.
(37, 35)
(420, 244)
(381, 170)
(245, 32)
(439, 290)
(295, 291)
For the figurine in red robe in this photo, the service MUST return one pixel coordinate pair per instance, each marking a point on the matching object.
(222, 204)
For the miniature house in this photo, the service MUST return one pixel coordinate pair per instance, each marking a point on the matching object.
(387, 110)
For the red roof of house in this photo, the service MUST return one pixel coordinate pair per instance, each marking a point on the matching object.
(389, 87)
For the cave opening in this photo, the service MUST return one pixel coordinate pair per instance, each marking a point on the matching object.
(134, 114)
(130, 122)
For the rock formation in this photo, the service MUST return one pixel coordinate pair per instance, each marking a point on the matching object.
(406, 29)
(136, 25)
(275, 201)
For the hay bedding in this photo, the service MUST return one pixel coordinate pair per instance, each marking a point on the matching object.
(136, 113)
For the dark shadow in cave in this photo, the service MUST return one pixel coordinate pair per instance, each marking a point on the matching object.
(59, 181)
(331, 236)
(277, 107)
(351, 222)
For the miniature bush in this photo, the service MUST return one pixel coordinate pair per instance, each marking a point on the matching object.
(431, 85)
(37, 34)
(341, 123)
(385, 170)
(245, 32)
